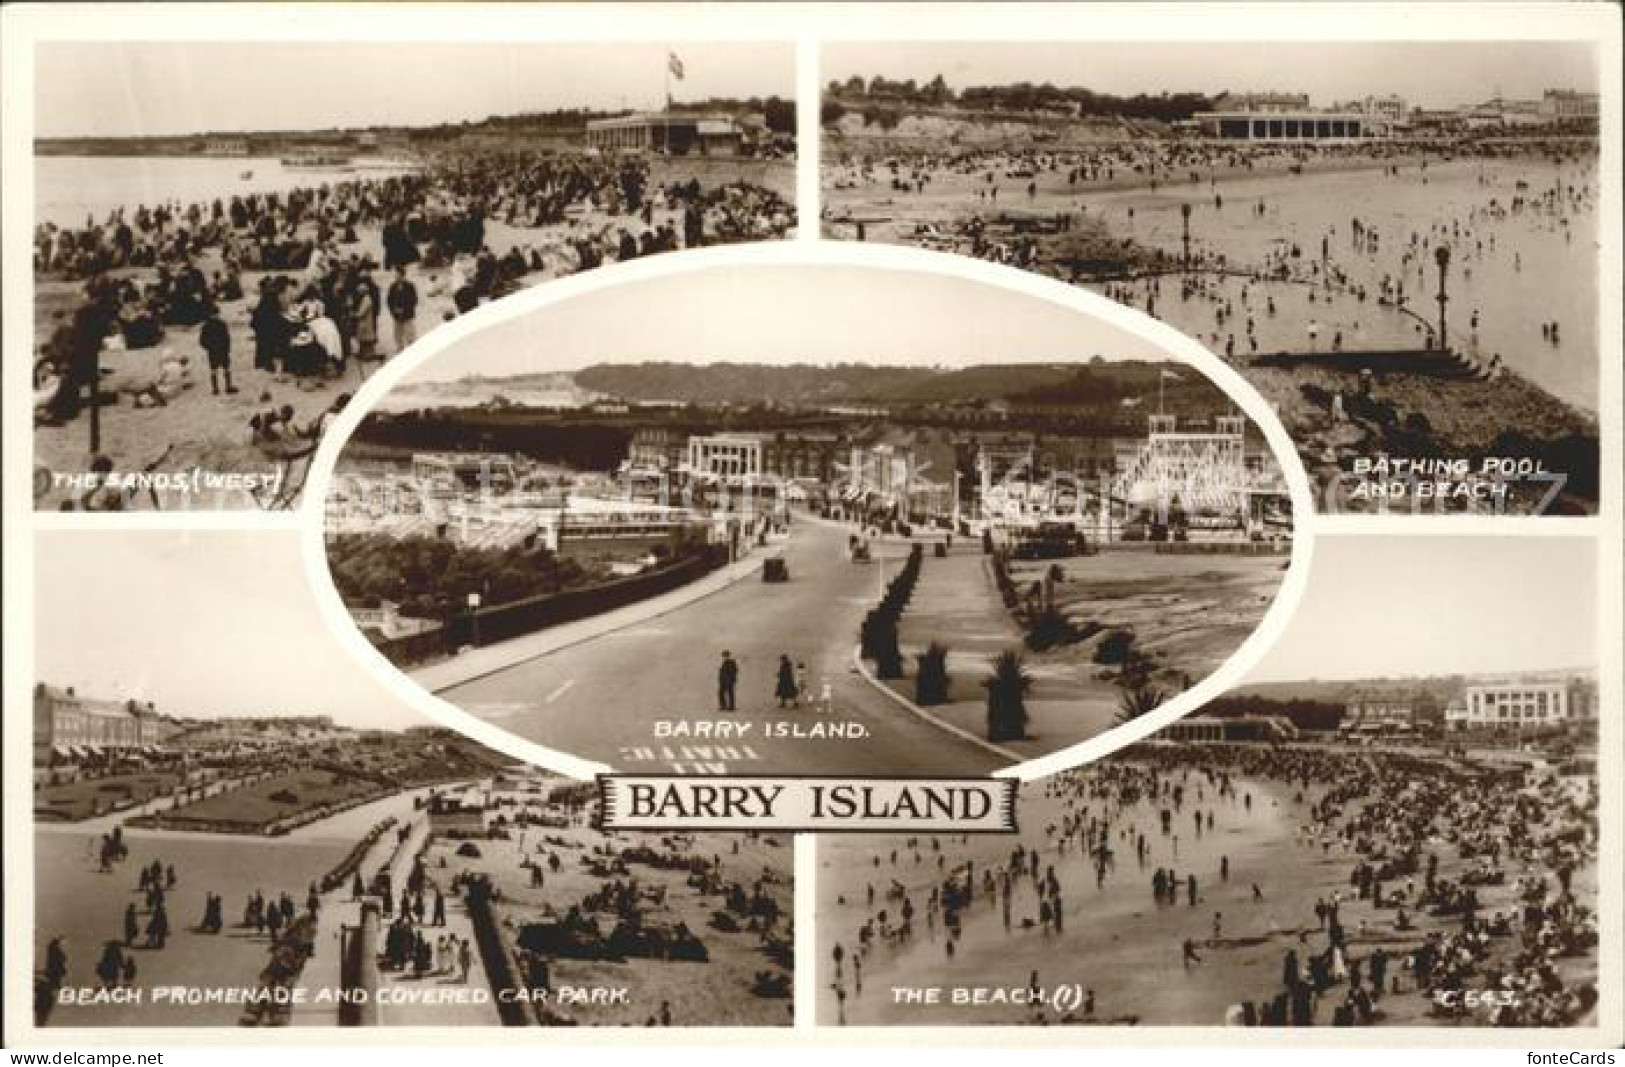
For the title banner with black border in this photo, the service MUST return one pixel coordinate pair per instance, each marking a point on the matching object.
(806, 803)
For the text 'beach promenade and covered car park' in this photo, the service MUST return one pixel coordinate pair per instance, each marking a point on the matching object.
(347, 866)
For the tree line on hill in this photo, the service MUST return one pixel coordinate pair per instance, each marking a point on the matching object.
(1018, 97)
(1100, 382)
(1305, 714)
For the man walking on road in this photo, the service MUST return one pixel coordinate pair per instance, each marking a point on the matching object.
(727, 681)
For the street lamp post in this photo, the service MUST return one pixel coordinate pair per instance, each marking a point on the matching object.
(1441, 256)
(96, 402)
(1185, 220)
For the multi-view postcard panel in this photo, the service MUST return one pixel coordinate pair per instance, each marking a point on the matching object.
(1353, 837)
(1392, 242)
(220, 268)
(220, 840)
(640, 526)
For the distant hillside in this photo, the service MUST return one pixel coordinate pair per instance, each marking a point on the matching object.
(552, 390)
(748, 383)
(1340, 692)
(1442, 686)
(1319, 705)
(803, 384)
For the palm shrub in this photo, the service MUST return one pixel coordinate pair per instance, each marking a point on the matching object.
(1115, 647)
(1051, 628)
(931, 677)
(1137, 694)
(888, 656)
(866, 634)
(1007, 688)
(877, 637)
(1001, 578)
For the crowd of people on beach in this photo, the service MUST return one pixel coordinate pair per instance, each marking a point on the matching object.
(315, 281)
(607, 204)
(1341, 268)
(145, 924)
(1461, 890)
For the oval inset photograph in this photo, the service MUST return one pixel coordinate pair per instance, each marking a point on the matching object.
(829, 517)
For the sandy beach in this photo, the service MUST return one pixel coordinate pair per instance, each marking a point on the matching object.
(1118, 946)
(1272, 268)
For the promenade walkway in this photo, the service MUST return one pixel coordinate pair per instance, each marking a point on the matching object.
(339, 909)
(957, 603)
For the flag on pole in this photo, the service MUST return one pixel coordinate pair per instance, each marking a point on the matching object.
(675, 65)
(1170, 375)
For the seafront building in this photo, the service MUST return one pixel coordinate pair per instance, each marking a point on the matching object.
(1524, 705)
(1198, 480)
(1382, 714)
(668, 134)
(69, 727)
(724, 456)
(1567, 107)
(1289, 117)
(1198, 476)
(1242, 728)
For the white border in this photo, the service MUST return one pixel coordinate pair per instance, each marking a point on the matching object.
(806, 24)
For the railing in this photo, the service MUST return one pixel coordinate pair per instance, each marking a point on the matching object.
(499, 969)
(358, 969)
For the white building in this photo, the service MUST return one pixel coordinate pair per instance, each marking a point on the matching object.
(1565, 106)
(726, 456)
(1390, 107)
(894, 477)
(662, 132)
(1275, 123)
(1379, 714)
(225, 146)
(1522, 705)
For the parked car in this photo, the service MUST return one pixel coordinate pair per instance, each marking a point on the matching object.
(775, 569)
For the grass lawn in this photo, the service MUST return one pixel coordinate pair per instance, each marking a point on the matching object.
(73, 801)
(277, 797)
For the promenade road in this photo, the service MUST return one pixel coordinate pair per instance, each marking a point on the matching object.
(638, 698)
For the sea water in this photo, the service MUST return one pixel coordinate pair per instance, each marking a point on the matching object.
(68, 189)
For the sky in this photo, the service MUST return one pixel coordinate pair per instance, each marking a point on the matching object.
(86, 89)
(788, 314)
(1417, 606)
(1428, 74)
(202, 623)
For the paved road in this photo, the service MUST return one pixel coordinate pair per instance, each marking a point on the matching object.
(635, 698)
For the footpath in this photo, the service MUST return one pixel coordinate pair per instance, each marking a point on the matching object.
(479, 662)
(956, 603)
(338, 910)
